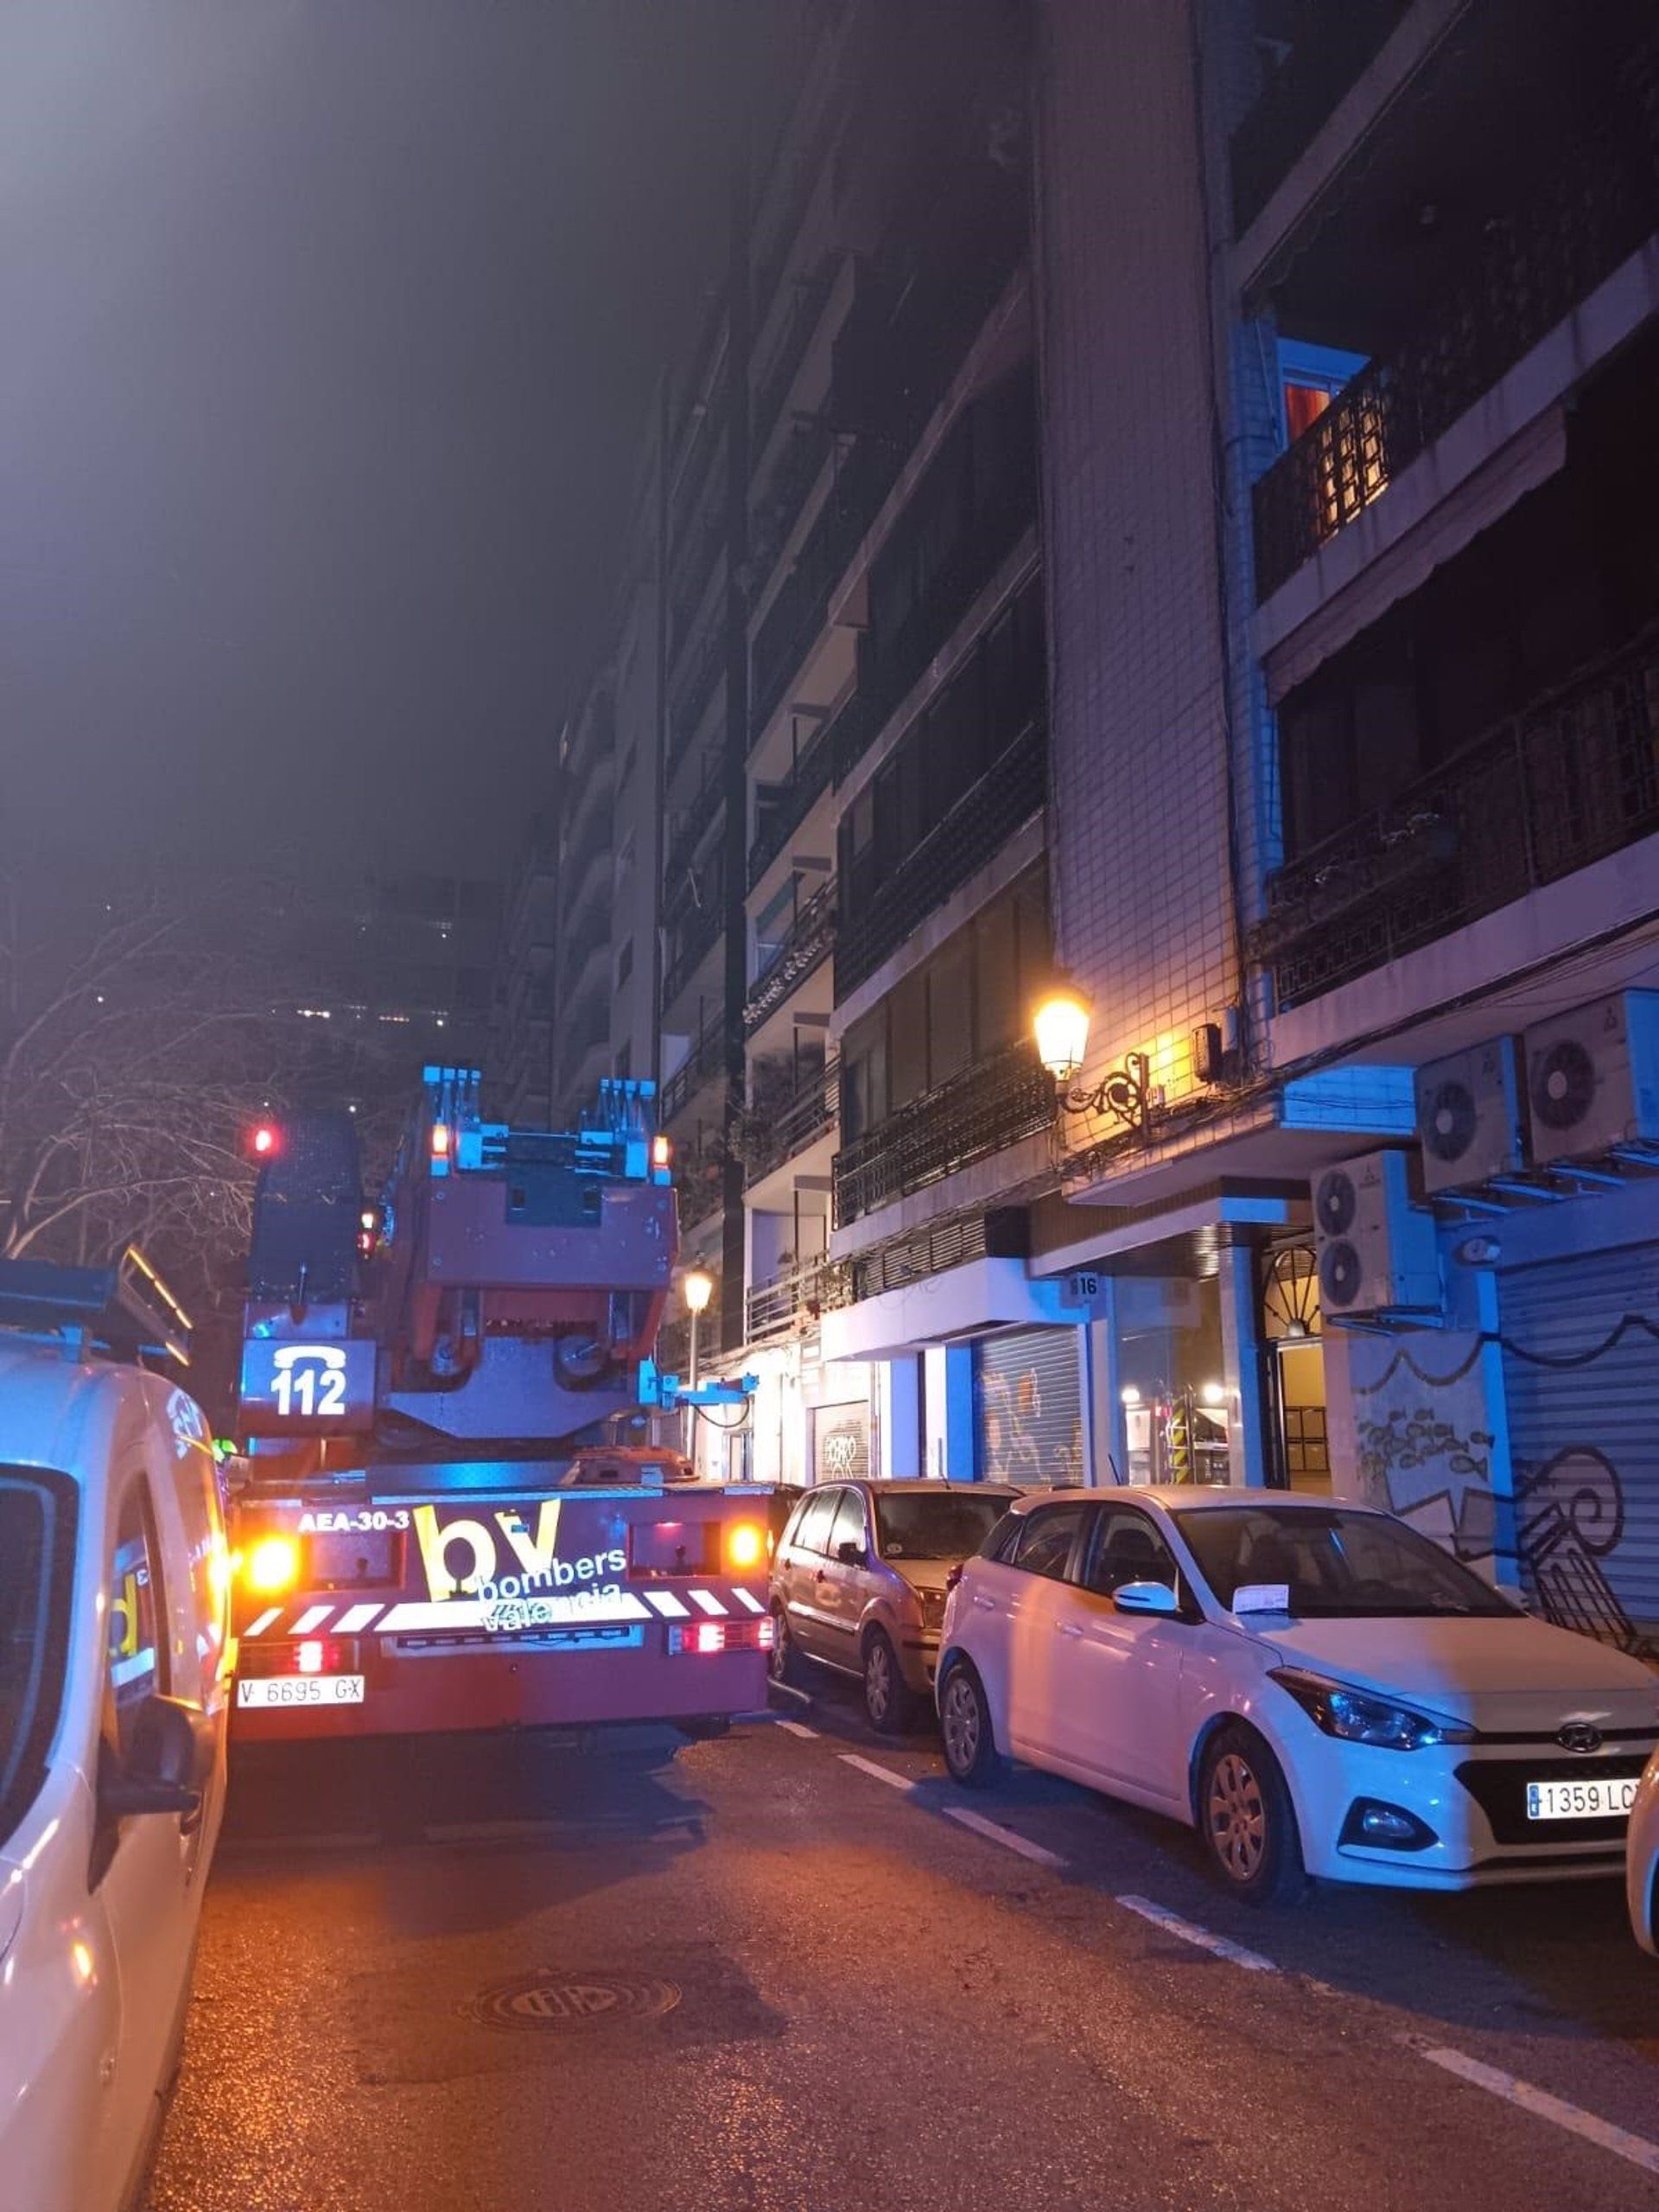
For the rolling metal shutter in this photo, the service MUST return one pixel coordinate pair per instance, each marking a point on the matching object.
(1028, 1407)
(1581, 1377)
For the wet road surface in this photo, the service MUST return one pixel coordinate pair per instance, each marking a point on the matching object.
(779, 1972)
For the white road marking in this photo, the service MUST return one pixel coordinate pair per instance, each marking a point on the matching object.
(796, 1728)
(747, 1598)
(981, 1826)
(312, 1619)
(881, 1773)
(1618, 2141)
(1190, 1932)
(259, 1627)
(354, 1622)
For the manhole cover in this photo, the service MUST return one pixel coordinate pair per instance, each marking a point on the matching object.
(551, 1999)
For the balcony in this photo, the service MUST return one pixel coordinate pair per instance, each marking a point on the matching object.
(1572, 779)
(975, 830)
(1337, 46)
(776, 380)
(1525, 273)
(996, 1103)
(690, 827)
(702, 932)
(788, 1125)
(808, 944)
(788, 804)
(793, 1303)
(703, 1064)
(779, 502)
(701, 1182)
(691, 699)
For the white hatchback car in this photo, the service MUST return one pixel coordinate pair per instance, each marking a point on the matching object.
(114, 1667)
(1314, 1687)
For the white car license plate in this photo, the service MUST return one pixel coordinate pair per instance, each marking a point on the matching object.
(1580, 1800)
(300, 1689)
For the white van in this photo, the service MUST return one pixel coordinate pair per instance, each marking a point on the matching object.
(114, 1668)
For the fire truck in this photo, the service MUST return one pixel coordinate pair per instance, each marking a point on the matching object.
(424, 1536)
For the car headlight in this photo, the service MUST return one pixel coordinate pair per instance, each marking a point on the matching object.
(1357, 1718)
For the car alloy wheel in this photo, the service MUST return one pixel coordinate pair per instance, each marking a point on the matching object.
(959, 1722)
(1237, 1817)
(777, 1662)
(878, 1681)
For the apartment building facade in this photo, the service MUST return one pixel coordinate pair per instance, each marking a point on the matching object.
(1355, 717)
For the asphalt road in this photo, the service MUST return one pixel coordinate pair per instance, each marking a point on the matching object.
(755, 1976)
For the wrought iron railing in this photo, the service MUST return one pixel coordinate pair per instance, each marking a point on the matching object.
(1337, 45)
(699, 933)
(801, 952)
(977, 826)
(1530, 267)
(789, 1125)
(705, 1060)
(794, 1302)
(1000, 1100)
(1571, 779)
(789, 803)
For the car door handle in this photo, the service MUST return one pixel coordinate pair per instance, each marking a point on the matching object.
(985, 1604)
(1068, 1628)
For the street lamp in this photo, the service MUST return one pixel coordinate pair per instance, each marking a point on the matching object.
(1061, 1024)
(696, 1288)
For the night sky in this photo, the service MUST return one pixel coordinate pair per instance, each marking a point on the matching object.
(330, 329)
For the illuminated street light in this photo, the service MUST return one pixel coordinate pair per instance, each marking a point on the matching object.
(696, 1288)
(1061, 1026)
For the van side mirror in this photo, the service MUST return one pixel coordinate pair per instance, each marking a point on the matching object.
(164, 1764)
(1145, 1597)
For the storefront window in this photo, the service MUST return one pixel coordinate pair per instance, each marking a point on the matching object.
(1175, 1409)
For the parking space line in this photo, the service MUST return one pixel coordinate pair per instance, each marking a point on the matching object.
(1618, 2141)
(881, 1773)
(968, 1818)
(1190, 1932)
(796, 1728)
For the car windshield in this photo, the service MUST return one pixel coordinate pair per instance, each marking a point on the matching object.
(36, 1539)
(927, 1524)
(1335, 1565)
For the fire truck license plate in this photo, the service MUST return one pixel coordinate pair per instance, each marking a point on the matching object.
(301, 1689)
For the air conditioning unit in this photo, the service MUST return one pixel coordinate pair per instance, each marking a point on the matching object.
(1375, 1248)
(1593, 1078)
(1469, 1117)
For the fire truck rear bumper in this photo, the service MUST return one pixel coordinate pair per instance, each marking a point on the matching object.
(409, 1692)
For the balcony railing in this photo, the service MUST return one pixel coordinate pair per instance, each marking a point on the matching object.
(805, 316)
(689, 828)
(805, 948)
(1572, 779)
(789, 1126)
(792, 801)
(686, 709)
(704, 931)
(795, 1301)
(975, 830)
(996, 1103)
(780, 499)
(1337, 44)
(1529, 269)
(705, 1060)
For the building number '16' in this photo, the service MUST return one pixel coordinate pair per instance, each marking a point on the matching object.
(309, 1379)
